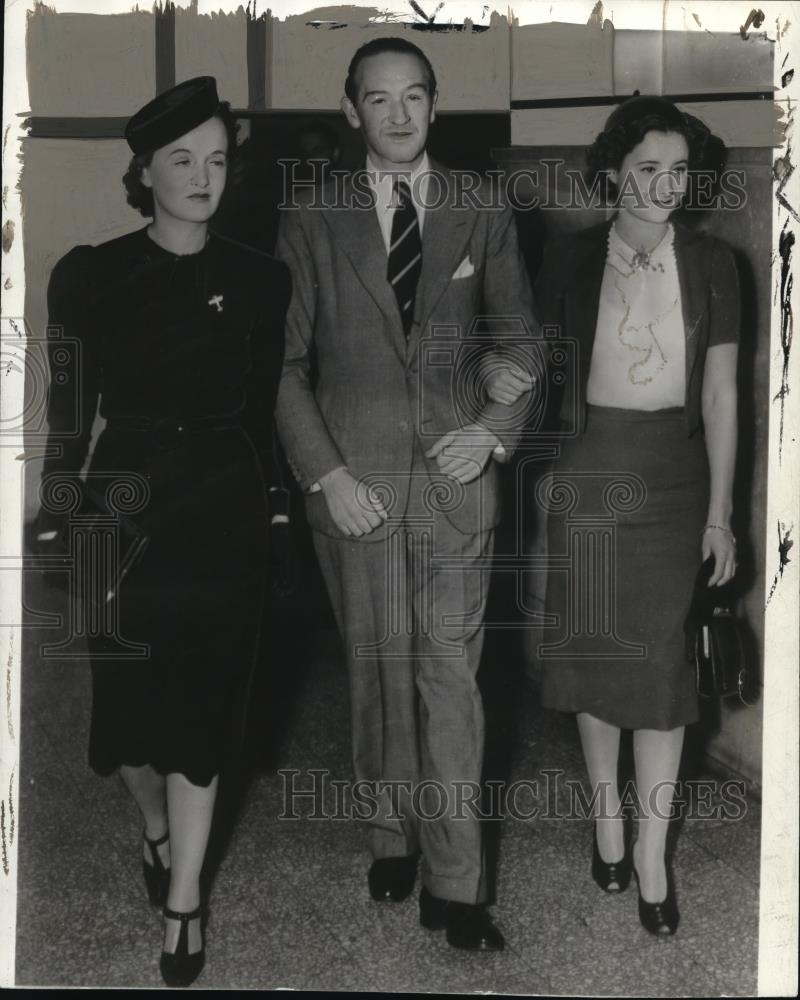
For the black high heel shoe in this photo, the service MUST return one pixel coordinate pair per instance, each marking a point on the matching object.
(180, 968)
(661, 918)
(156, 876)
(614, 877)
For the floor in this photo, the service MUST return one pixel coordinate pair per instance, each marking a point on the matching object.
(289, 904)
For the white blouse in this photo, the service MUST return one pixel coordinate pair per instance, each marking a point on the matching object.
(638, 359)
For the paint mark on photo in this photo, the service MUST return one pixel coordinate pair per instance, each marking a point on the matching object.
(785, 545)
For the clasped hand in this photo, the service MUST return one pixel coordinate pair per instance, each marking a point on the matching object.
(505, 382)
(463, 453)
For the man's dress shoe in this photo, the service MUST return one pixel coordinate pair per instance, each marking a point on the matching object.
(392, 879)
(468, 925)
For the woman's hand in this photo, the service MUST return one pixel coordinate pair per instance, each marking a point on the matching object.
(720, 543)
(505, 381)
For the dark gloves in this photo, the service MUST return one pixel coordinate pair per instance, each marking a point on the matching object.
(284, 564)
(44, 535)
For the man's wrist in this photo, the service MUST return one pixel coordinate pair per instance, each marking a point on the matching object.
(324, 481)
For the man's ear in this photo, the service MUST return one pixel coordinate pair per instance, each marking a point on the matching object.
(434, 99)
(350, 113)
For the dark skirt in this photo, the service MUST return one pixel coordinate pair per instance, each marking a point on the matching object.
(194, 602)
(627, 506)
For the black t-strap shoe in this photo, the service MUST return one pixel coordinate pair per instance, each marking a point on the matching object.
(156, 875)
(181, 967)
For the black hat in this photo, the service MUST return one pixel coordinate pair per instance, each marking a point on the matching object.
(172, 114)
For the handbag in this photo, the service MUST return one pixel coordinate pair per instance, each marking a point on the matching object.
(715, 644)
(91, 514)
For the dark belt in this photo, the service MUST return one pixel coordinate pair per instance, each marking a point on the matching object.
(170, 432)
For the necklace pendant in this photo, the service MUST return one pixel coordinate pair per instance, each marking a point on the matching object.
(641, 260)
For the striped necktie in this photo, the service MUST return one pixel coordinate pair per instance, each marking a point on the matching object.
(405, 253)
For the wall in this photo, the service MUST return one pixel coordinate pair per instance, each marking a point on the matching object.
(553, 106)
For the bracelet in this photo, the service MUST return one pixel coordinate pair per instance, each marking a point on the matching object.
(719, 527)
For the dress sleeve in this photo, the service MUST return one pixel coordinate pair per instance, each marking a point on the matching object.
(724, 298)
(549, 292)
(267, 346)
(73, 357)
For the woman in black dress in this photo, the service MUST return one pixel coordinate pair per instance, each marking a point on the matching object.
(654, 308)
(181, 341)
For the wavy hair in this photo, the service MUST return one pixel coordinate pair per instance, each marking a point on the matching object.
(628, 125)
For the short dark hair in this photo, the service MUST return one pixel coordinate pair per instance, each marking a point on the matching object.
(628, 125)
(139, 196)
(377, 47)
(318, 128)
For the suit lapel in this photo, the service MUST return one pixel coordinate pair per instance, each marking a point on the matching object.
(445, 234)
(358, 233)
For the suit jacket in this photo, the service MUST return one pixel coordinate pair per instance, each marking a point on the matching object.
(568, 294)
(354, 391)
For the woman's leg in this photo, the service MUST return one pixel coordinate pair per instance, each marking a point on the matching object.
(190, 809)
(149, 790)
(600, 742)
(657, 756)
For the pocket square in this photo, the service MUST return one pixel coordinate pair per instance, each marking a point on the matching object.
(465, 269)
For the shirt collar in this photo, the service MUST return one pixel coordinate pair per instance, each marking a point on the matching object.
(382, 182)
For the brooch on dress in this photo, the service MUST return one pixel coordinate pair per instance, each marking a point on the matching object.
(216, 300)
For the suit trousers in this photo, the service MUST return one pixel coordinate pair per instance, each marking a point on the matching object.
(410, 610)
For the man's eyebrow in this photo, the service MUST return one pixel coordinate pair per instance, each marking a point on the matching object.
(411, 86)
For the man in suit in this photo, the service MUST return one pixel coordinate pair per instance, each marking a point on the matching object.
(391, 435)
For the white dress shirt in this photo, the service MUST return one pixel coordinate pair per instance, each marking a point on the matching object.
(382, 184)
